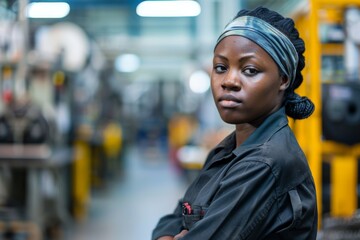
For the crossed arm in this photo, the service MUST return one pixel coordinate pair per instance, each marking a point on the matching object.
(239, 186)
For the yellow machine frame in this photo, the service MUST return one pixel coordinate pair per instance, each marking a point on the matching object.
(343, 159)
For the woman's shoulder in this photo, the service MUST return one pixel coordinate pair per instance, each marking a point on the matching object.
(281, 155)
(286, 159)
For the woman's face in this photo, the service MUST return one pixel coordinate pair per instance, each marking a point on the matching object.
(245, 81)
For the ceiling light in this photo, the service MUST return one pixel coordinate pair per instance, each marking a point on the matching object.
(180, 8)
(47, 9)
(127, 63)
(199, 82)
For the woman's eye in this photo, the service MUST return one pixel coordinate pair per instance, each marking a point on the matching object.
(220, 68)
(251, 71)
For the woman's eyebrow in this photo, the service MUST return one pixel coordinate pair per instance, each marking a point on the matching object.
(242, 57)
(220, 56)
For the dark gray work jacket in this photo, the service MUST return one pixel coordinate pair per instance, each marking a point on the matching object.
(262, 189)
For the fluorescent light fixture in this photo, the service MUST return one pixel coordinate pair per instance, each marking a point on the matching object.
(177, 8)
(199, 82)
(47, 9)
(127, 63)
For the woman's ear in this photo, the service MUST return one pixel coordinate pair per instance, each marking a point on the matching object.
(284, 82)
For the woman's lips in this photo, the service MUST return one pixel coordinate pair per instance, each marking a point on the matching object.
(229, 101)
(228, 104)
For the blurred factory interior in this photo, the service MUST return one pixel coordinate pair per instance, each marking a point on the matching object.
(106, 113)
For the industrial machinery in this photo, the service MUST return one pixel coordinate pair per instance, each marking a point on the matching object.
(341, 98)
(24, 124)
(341, 112)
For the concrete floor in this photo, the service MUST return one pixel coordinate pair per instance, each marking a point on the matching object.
(129, 208)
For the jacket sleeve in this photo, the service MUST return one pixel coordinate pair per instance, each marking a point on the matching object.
(245, 197)
(169, 225)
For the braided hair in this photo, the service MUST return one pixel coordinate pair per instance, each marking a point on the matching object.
(295, 106)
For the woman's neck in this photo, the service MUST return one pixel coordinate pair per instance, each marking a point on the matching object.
(242, 132)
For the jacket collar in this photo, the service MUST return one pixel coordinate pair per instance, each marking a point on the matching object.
(262, 134)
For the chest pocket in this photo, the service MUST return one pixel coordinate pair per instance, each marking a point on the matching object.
(296, 209)
(194, 215)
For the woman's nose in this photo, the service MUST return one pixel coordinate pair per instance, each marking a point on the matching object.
(231, 81)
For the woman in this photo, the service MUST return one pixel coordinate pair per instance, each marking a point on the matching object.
(256, 184)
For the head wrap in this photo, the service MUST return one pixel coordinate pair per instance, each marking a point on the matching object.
(273, 41)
